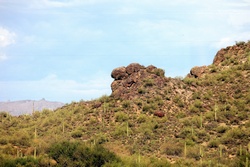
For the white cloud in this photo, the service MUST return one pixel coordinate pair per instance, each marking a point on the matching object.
(6, 37)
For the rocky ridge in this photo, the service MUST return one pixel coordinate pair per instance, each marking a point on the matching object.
(201, 120)
(136, 81)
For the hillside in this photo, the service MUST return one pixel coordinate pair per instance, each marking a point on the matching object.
(28, 106)
(149, 119)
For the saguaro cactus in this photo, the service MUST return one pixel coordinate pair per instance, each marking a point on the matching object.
(185, 149)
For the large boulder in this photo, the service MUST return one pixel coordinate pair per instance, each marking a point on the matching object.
(197, 72)
(119, 73)
(129, 80)
(133, 67)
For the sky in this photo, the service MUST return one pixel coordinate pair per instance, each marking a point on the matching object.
(65, 50)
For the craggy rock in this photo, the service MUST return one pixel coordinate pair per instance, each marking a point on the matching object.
(151, 68)
(197, 72)
(119, 73)
(97, 104)
(134, 67)
(238, 49)
(128, 80)
(159, 114)
(219, 57)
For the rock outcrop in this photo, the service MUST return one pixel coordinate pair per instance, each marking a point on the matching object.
(134, 79)
(231, 52)
(197, 72)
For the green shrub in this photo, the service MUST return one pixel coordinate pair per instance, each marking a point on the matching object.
(126, 104)
(104, 98)
(198, 103)
(19, 162)
(222, 129)
(76, 134)
(196, 95)
(193, 109)
(194, 152)
(179, 101)
(77, 154)
(121, 116)
(148, 82)
(173, 148)
(214, 143)
(122, 130)
(238, 43)
(159, 72)
(190, 81)
(243, 160)
(232, 135)
(142, 118)
(142, 90)
(149, 107)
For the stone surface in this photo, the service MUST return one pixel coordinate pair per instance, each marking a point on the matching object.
(129, 80)
(133, 67)
(197, 71)
(159, 114)
(219, 57)
(119, 73)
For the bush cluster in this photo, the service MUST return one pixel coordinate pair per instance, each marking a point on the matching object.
(77, 154)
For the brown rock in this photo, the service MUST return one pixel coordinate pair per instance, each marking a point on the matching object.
(97, 104)
(133, 67)
(159, 114)
(115, 84)
(119, 73)
(129, 80)
(151, 68)
(197, 71)
(219, 57)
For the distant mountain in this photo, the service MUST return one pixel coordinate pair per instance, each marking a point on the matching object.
(28, 106)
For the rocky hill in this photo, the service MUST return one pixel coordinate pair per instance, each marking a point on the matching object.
(28, 106)
(150, 119)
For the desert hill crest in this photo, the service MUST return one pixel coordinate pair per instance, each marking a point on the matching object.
(205, 119)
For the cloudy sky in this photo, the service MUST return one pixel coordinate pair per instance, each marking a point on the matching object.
(65, 50)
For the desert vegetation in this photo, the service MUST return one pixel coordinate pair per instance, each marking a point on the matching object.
(206, 121)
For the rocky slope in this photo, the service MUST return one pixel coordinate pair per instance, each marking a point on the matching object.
(202, 119)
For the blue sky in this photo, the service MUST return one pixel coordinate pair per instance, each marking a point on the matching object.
(65, 50)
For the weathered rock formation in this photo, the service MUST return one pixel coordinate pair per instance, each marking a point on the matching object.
(235, 50)
(134, 80)
(197, 72)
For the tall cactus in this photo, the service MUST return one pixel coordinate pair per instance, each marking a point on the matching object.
(127, 129)
(35, 139)
(215, 112)
(220, 151)
(201, 121)
(240, 150)
(185, 149)
(63, 128)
